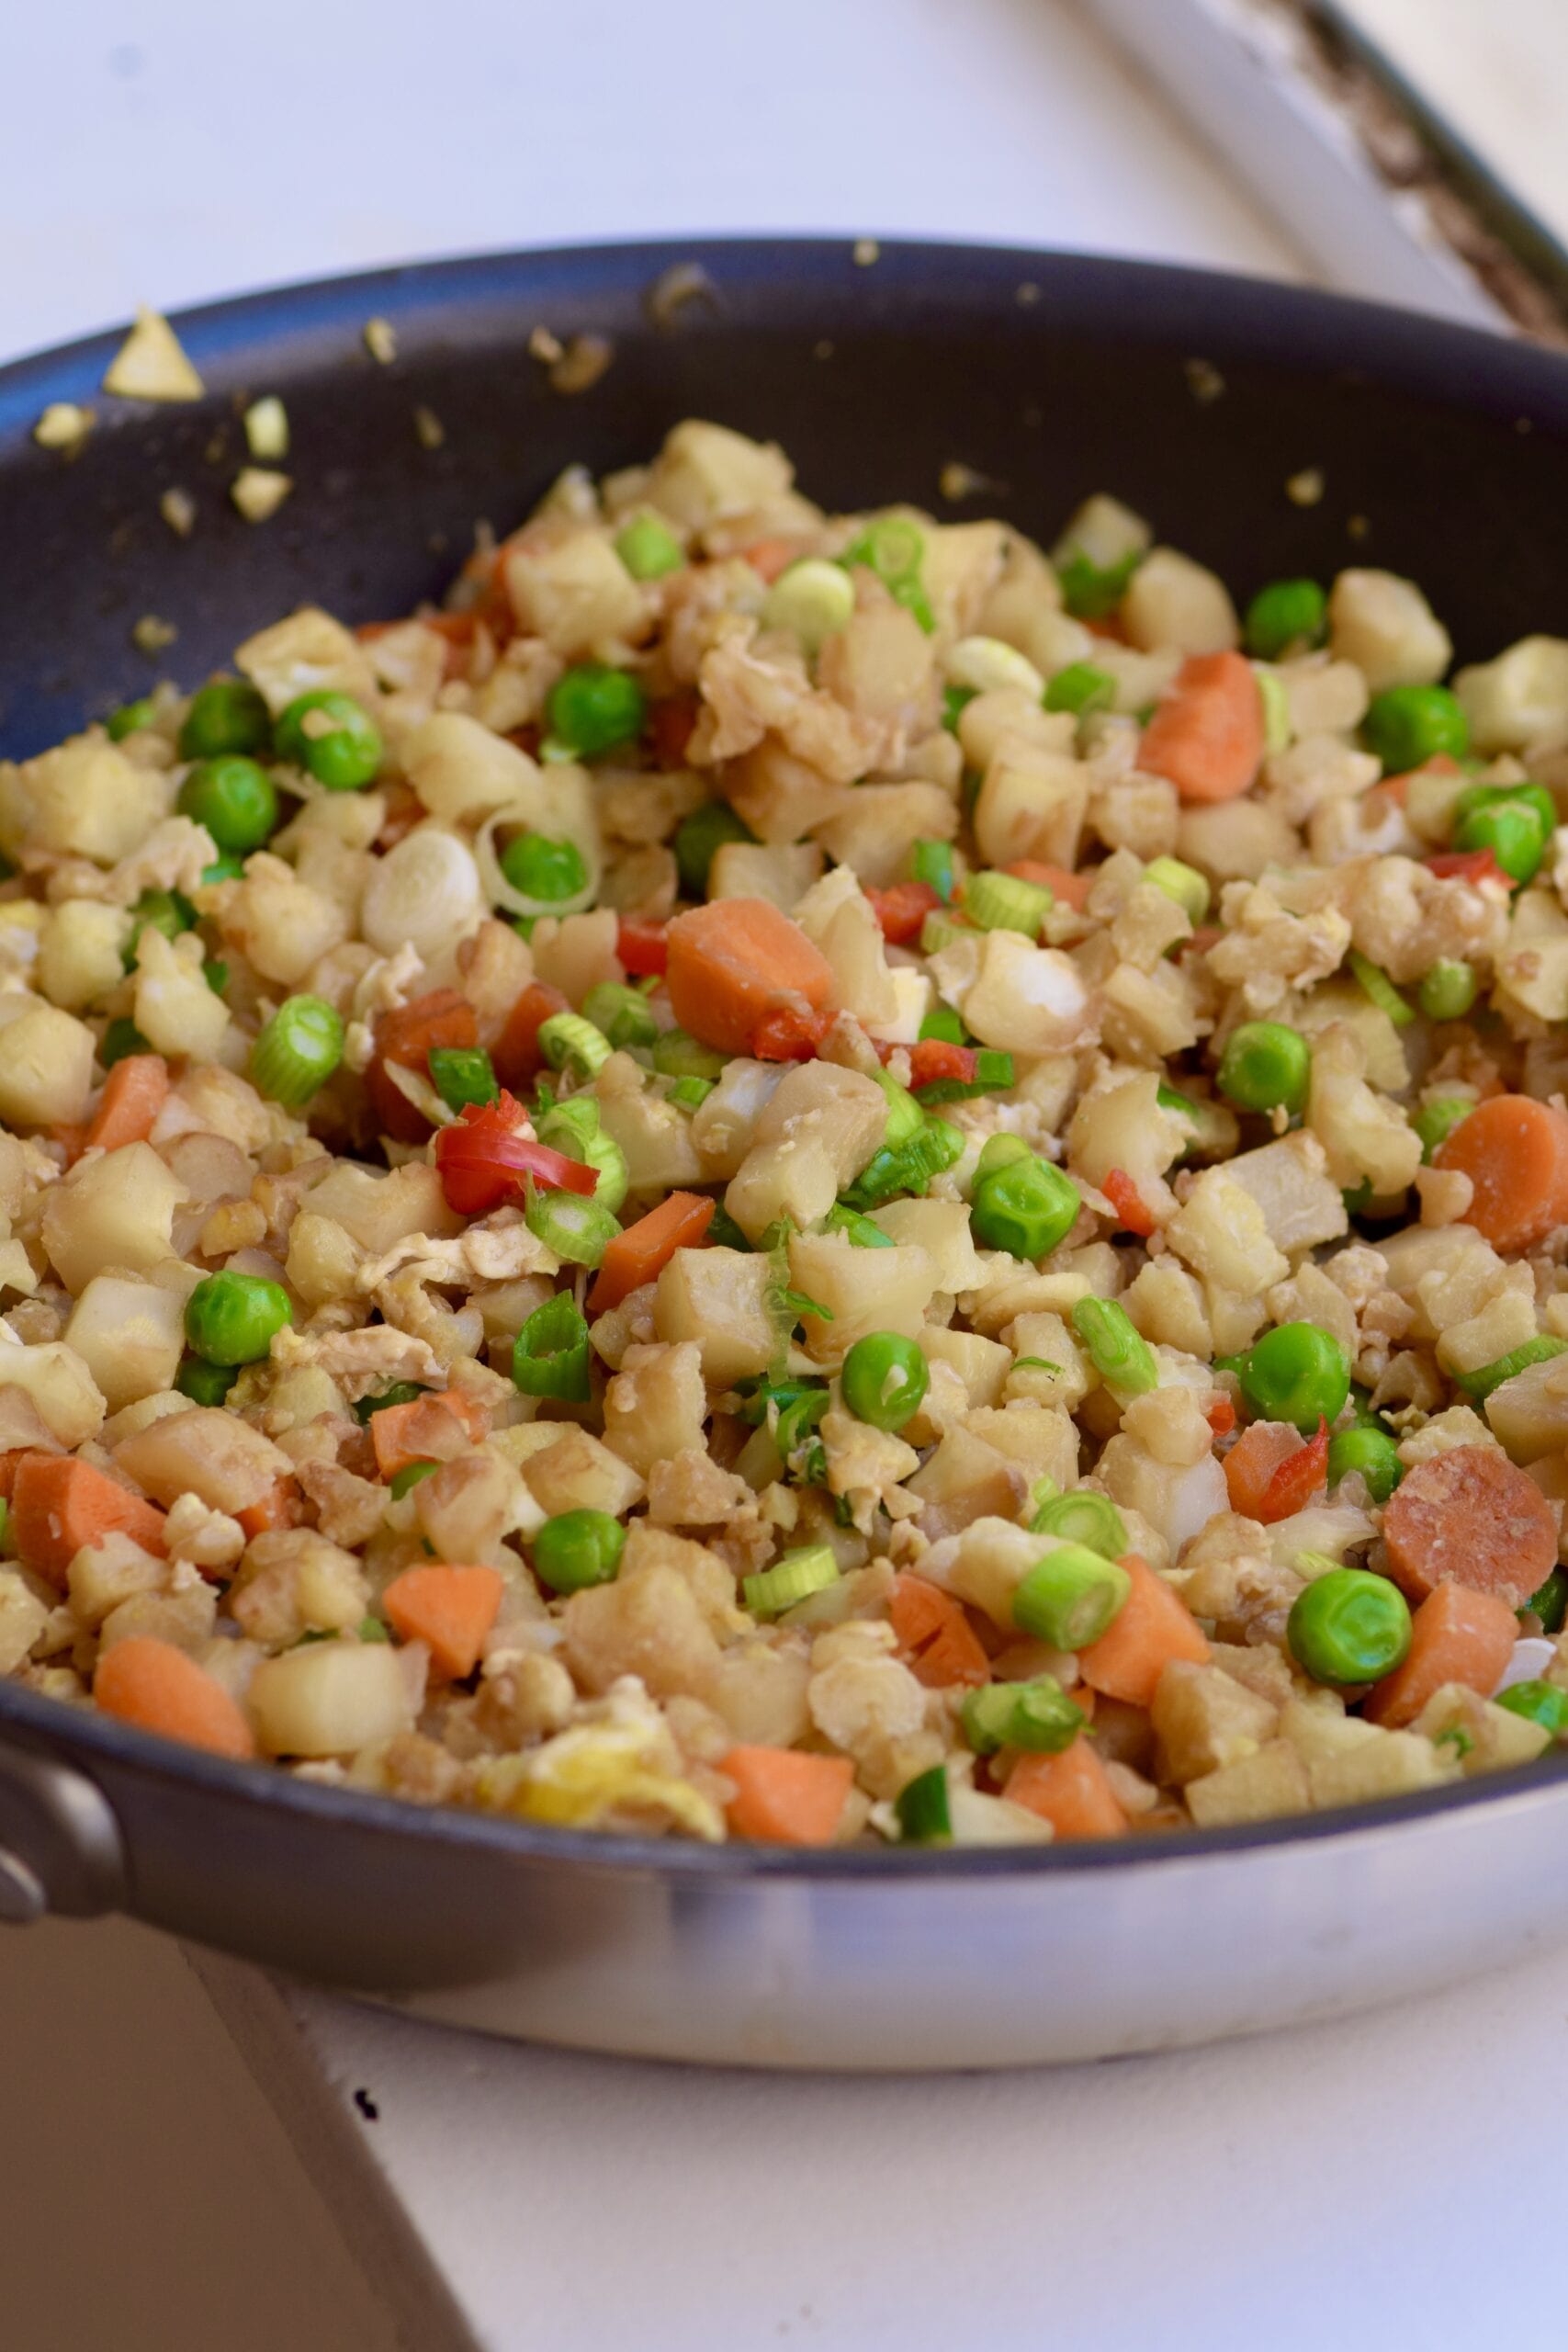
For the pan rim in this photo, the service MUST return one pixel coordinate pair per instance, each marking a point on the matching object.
(1305, 329)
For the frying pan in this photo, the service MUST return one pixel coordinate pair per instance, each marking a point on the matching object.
(1444, 455)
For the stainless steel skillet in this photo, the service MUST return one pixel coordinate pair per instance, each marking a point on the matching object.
(1443, 454)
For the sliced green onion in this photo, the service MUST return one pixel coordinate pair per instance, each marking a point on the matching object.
(924, 1808)
(942, 1021)
(909, 1169)
(954, 701)
(931, 863)
(1376, 984)
(939, 930)
(569, 1042)
(676, 1055)
(1004, 903)
(994, 1074)
(575, 1129)
(862, 1233)
(463, 1074)
(622, 1014)
(1070, 1597)
(1275, 705)
(121, 1037)
(1478, 1385)
(790, 1580)
(648, 548)
(1082, 687)
(550, 1355)
(689, 1093)
(1037, 1715)
(400, 1392)
(1083, 1518)
(298, 1051)
(403, 1481)
(1091, 591)
(1122, 1358)
(578, 1230)
(905, 1117)
(812, 599)
(1183, 883)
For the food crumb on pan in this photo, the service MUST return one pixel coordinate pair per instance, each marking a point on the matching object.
(675, 288)
(867, 252)
(151, 365)
(1204, 380)
(1359, 526)
(65, 425)
(429, 431)
(380, 341)
(267, 430)
(581, 365)
(544, 346)
(1306, 488)
(259, 490)
(823, 349)
(151, 635)
(177, 508)
(1028, 295)
(958, 480)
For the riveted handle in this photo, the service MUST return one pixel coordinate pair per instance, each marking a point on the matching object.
(59, 1844)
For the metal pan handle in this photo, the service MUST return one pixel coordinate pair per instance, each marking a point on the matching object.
(61, 1849)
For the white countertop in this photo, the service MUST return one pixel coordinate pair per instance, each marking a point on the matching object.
(1381, 2183)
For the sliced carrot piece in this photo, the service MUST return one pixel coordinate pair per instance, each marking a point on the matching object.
(1456, 1636)
(59, 1504)
(1206, 733)
(641, 1253)
(1471, 1515)
(942, 1647)
(283, 1505)
(1515, 1152)
(1153, 1625)
(736, 959)
(517, 1055)
(449, 1609)
(1252, 1461)
(157, 1688)
(1072, 889)
(785, 1797)
(1070, 1790)
(427, 1428)
(134, 1092)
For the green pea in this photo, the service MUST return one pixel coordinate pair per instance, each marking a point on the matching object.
(129, 718)
(204, 1382)
(1348, 1626)
(234, 798)
(121, 1037)
(578, 1548)
(648, 548)
(544, 868)
(1027, 1207)
(332, 738)
(1070, 1597)
(884, 1380)
(1448, 989)
(166, 910)
(1550, 1603)
(230, 715)
(1266, 1066)
(1407, 726)
(1296, 1373)
(953, 700)
(1538, 1702)
(1434, 1122)
(1082, 687)
(698, 840)
(1373, 1454)
(1287, 613)
(1514, 821)
(592, 707)
(231, 1318)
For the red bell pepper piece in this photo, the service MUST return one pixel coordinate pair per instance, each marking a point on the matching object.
(786, 1035)
(1128, 1203)
(643, 948)
(1297, 1479)
(902, 909)
(484, 1161)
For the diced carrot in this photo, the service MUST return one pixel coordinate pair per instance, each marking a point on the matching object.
(784, 1796)
(1456, 1636)
(71, 1137)
(517, 1056)
(449, 1609)
(1515, 1151)
(1206, 734)
(786, 1035)
(1072, 889)
(1471, 1515)
(641, 1253)
(901, 910)
(1070, 1790)
(1297, 1479)
(736, 959)
(671, 726)
(942, 1647)
(134, 1092)
(770, 557)
(1252, 1461)
(59, 1504)
(437, 1427)
(9, 1464)
(1124, 1197)
(1153, 1626)
(156, 1686)
(1220, 1414)
(283, 1505)
(407, 1035)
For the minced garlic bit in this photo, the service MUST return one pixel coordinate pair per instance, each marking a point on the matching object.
(429, 430)
(150, 365)
(266, 429)
(258, 491)
(380, 341)
(544, 346)
(581, 364)
(149, 635)
(866, 252)
(177, 508)
(62, 425)
(1306, 488)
